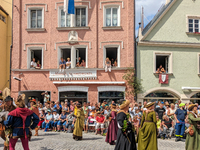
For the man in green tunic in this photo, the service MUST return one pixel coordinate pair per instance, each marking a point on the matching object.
(193, 141)
(78, 127)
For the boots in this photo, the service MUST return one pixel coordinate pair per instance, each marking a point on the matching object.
(36, 132)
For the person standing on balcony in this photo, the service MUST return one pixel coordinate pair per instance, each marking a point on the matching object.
(107, 65)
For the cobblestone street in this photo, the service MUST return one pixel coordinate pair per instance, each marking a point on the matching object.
(64, 141)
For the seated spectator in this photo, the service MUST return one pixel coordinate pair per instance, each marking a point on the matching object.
(100, 119)
(62, 120)
(107, 65)
(62, 64)
(70, 121)
(33, 64)
(48, 122)
(47, 107)
(167, 126)
(136, 124)
(86, 123)
(55, 120)
(68, 63)
(41, 117)
(85, 108)
(40, 108)
(38, 65)
(83, 63)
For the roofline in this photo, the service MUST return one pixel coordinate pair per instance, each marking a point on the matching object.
(1, 8)
(157, 21)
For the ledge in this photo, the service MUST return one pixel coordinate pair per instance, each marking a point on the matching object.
(170, 74)
(193, 33)
(35, 29)
(112, 28)
(72, 28)
(81, 69)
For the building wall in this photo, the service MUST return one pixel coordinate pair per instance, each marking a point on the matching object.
(5, 43)
(173, 26)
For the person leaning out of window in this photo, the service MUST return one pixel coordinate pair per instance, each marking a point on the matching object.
(107, 65)
(33, 64)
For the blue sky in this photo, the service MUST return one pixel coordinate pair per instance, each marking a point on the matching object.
(151, 7)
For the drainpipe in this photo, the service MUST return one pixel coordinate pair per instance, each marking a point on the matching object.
(97, 30)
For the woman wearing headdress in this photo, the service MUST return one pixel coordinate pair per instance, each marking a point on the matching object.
(125, 134)
(193, 137)
(147, 138)
(21, 120)
(78, 127)
(111, 135)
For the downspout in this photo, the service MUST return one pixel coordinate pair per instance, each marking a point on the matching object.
(97, 30)
(11, 46)
(135, 49)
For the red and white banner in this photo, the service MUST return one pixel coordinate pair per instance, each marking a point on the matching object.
(163, 78)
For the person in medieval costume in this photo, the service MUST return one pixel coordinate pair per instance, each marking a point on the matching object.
(6, 108)
(125, 134)
(193, 136)
(78, 127)
(35, 109)
(147, 138)
(21, 121)
(111, 135)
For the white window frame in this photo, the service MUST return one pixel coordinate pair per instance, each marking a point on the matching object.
(198, 63)
(104, 14)
(187, 22)
(81, 6)
(29, 56)
(73, 54)
(59, 16)
(118, 53)
(169, 54)
(29, 16)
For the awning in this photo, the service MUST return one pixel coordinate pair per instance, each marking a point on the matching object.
(190, 88)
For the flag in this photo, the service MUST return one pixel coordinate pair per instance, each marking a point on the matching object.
(69, 6)
(163, 78)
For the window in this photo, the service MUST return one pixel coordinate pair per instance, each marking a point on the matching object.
(37, 54)
(162, 62)
(65, 19)
(36, 18)
(2, 18)
(111, 53)
(111, 96)
(193, 25)
(81, 97)
(111, 16)
(80, 17)
(66, 53)
(80, 60)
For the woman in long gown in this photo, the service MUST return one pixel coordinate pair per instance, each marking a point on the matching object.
(193, 142)
(111, 135)
(125, 134)
(78, 127)
(147, 138)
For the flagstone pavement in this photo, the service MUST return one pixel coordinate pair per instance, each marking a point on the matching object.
(64, 141)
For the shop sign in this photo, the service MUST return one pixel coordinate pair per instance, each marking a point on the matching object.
(73, 75)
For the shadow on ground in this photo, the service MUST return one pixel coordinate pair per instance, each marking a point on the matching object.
(45, 148)
(84, 139)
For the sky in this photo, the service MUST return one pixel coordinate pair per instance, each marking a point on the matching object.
(151, 7)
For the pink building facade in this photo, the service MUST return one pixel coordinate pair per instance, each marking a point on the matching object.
(101, 29)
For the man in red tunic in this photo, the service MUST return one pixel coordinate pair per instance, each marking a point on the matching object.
(35, 109)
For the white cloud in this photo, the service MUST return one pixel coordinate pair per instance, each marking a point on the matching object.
(151, 7)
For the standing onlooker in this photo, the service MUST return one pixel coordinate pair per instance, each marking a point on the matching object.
(160, 110)
(107, 65)
(71, 105)
(46, 96)
(58, 108)
(171, 113)
(62, 64)
(180, 116)
(131, 110)
(85, 108)
(136, 123)
(66, 108)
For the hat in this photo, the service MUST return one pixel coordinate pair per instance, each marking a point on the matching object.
(167, 104)
(8, 98)
(162, 102)
(48, 102)
(48, 110)
(124, 104)
(104, 100)
(63, 110)
(20, 101)
(181, 104)
(45, 92)
(66, 100)
(191, 107)
(54, 110)
(33, 100)
(78, 105)
(113, 105)
(149, 104)
(98, 112)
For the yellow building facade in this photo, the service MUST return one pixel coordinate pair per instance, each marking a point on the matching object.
(5, 42)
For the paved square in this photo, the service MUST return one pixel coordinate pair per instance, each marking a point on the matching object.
(64, 141)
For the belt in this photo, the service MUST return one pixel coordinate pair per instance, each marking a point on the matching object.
(148, 121)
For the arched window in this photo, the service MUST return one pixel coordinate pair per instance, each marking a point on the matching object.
(195, 98)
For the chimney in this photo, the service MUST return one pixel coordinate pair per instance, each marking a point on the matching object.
(167, 2)
(142, 18)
